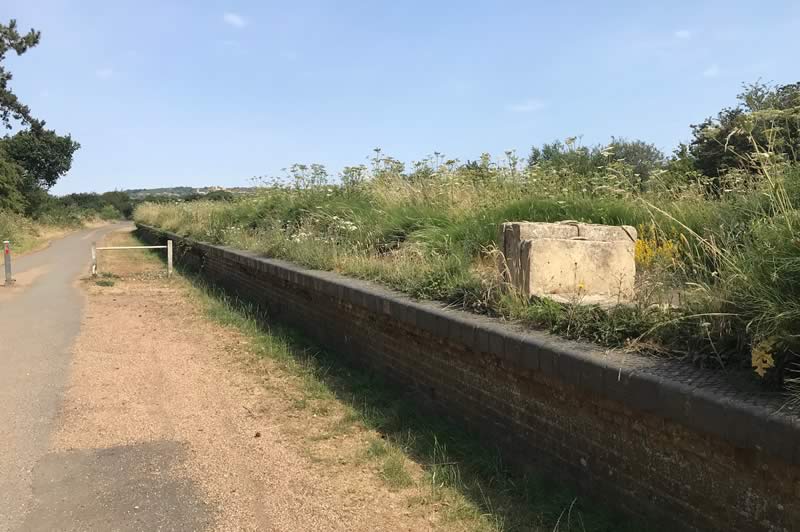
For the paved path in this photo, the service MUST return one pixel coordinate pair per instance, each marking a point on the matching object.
(40, 318)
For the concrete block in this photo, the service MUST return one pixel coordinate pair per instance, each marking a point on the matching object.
(578, 269)
(513, 233)
(607, 233)
(569, 260)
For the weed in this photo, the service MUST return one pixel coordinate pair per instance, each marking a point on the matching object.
(377, 448)
(104, 282)
(394, 471)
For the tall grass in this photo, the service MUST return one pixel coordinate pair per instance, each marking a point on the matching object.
(719, 274)
(21, 231)
(25, 232)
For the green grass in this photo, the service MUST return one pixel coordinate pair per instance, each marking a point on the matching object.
(22, 232)
(26, 233)
(394, 471)
(732, 261)
(105, 282)
(471, 482)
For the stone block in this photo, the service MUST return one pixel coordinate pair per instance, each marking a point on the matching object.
(513, 233)
(607, 233)
(590, 261)
(594, 271)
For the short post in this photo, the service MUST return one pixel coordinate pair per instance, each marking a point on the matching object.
(169, 258)
(7, 262)
(94, 259)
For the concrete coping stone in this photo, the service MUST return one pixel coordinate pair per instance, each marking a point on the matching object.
(728, 404)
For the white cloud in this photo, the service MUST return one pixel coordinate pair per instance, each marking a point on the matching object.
(528, 106)
(683, 34)
(104, 73)
(712, 71)
(234, 19)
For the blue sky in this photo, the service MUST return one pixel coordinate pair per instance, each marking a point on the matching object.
(163, 93)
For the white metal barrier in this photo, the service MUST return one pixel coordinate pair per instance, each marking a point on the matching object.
(95, 249)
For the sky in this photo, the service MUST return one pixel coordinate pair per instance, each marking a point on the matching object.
(203, 92)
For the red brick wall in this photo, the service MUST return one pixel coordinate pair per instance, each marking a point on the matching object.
(681, 447)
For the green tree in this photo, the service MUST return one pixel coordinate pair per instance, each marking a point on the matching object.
(11, 197)
(44, 155)
(10, 106)
(568, 156)
(766, 118)
(643, 157)
(120, 201)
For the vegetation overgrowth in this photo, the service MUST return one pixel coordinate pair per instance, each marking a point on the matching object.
(718, 256)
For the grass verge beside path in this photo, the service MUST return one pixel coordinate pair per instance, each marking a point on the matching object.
(470, 484)
(27, 235)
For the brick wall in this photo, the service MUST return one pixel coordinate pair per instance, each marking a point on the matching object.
(678, 446)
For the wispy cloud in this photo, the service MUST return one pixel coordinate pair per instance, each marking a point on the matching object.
(104, 73)
(683, 34)
(712, 71)
(234, 19)
(528, 106)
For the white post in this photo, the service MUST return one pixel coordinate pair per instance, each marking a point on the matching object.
(7, 262)
(94, 259)
(169, 258)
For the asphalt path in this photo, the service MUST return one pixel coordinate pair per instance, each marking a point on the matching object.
(40, 317)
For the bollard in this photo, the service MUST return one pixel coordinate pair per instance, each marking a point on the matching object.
(7, 261)
(169, 258)
(94, 259)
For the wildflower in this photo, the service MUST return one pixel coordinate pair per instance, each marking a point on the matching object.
(761, 356)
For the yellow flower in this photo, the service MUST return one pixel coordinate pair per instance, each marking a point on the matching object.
(761, 356)
(650, 247)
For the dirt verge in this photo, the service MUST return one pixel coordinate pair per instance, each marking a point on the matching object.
(149, 367)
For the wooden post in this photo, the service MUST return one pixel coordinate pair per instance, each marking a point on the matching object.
(169, 258)
(94, 259)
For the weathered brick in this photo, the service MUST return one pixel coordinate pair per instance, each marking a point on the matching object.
(678, 451)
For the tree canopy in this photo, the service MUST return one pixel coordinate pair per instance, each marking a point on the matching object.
(43, 155)
(33, 159)
(644, 158)
(11, 197)
(766, 119)
(10, 106)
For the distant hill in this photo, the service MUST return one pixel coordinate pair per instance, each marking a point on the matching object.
(182, 192)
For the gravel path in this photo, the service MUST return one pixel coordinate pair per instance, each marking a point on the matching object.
(217, 442)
